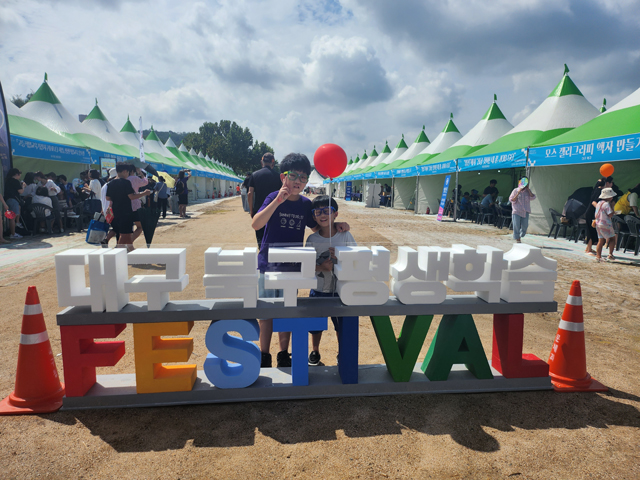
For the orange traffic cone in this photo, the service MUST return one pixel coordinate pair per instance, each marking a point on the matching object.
(568, 360)
(38, 388)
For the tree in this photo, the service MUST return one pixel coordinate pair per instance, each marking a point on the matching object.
(18, 101)
(229, 143)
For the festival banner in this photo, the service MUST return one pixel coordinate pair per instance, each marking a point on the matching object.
(626, 147)
(347, 194)
(30, 148)
(443, 198)
(511, 159)
(5, 139)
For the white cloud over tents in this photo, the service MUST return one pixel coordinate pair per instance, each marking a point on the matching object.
(300, 73)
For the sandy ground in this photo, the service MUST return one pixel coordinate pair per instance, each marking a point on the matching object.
(521, 435)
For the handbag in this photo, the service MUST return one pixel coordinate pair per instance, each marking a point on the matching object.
(92, 205)
(97, 232)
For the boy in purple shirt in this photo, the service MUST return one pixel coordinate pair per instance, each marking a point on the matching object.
(284, 214)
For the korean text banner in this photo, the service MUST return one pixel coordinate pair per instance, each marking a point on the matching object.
(626, 147)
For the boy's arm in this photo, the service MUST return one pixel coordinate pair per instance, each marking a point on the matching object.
(261, 218)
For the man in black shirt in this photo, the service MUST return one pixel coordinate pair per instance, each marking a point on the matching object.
(262, 183)
(120, 193)
(491, 189)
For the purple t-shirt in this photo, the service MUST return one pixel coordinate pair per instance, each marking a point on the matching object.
(285, 228)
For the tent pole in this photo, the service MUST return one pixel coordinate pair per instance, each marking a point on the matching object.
(415, 203)
(455, 193)
(393, 190)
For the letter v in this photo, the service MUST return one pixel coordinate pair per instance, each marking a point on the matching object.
(401, 355)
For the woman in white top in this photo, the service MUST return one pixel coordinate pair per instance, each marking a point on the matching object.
(95, 186)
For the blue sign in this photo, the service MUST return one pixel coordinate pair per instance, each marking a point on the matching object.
(436, 168)
(347, 192)
(625, 147)
(511, 159)
(5, 138)
(443, 198)
(28, 147)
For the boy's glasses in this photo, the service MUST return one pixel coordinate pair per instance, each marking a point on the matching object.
(323, 211)
(293, 176)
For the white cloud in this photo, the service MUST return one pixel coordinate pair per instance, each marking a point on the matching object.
(300, 73)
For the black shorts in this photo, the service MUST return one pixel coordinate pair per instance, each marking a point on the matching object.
(183, 199)
(123, 224)
(136, 216)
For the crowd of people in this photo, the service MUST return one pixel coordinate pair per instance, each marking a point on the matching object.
(60, 199)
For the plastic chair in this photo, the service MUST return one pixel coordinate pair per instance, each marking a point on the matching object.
(621, 229)
(486, 214)
(557, 224)
(579, 229)
(634, 232)
(39, 213)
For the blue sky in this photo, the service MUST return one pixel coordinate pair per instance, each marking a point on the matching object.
(300, 73)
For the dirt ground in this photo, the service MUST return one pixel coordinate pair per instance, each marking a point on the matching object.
(499, 435)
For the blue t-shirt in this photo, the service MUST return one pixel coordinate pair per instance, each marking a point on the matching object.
(285, 228)
(465, 204)
(486, 201)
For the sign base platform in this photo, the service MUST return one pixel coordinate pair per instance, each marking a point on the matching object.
(119, 391)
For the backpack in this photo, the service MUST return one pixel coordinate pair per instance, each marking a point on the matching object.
(179, 187)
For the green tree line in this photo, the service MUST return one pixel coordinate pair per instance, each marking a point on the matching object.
(229, 143)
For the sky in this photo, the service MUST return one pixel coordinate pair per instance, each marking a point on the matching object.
(301, 73)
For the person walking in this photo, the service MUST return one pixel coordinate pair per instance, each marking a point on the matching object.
(520, 199)
(163, 195)
(261, 184)
(244, 190)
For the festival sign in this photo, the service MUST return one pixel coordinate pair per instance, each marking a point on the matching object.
(31, 148)
(5, 138)
(505, 284)
(626, 147)
(514, 158)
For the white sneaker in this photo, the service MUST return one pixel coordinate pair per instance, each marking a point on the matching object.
(16, 235)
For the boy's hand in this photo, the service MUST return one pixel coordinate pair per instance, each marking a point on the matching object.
(342, 227)
(326, 266)
(283, 194)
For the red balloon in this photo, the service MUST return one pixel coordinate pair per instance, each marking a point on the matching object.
(330, 160)
(606, 170)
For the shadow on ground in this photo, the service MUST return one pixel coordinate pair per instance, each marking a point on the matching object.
(465, 418)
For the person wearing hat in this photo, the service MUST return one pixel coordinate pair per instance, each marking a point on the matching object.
(520, 199)
(604, 225)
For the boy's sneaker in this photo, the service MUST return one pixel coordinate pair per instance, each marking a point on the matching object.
(16, 235)
(266, 360)
(314, 359)
(284, 359)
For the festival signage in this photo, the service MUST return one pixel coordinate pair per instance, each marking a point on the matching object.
(626, 147)
(31, 148)
(5, 138)
(505, 284)
(511, 159)
(348, 191)
(443, 197)
(436, 168)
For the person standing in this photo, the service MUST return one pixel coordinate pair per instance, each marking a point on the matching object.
(261, 184)
(121, 194)
(13, 187)
(604, 225)
(520, 199)
(243, 191)
(183, 192)
(163, 194)
(137, 180)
